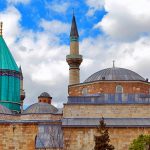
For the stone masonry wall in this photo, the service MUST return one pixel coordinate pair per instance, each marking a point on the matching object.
(21, 136)
(83, 138)
(17, 136)
(31, 117)
(107, 111)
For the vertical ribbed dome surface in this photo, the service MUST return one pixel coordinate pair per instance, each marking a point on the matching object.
(6, 59)
(9, 79)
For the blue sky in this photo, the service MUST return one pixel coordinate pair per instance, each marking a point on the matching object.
(37, 33)
(61, 10)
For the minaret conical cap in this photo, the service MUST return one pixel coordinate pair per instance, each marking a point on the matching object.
(74, 30)
(7, 61)
(21, 74)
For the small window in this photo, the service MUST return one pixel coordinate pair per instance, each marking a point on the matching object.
(84, 91)
(119, 89)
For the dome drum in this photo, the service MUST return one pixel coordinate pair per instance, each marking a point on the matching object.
(6, 72)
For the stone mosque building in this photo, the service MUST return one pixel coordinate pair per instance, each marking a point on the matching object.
(120, 95)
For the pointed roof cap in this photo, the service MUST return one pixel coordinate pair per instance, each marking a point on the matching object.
(1, 28)
(74, 30)
(6, 59)
(21, 74)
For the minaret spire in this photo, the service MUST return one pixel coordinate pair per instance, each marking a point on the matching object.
(1, 28)
(74, 30)
(74, 59)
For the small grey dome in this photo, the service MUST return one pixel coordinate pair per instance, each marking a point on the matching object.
(4, 110)
(115, 74)
(40, 108)
(45, 94)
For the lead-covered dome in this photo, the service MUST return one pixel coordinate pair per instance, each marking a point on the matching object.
(4, 110)
(115, 74)
(45, 94)
(40, 108)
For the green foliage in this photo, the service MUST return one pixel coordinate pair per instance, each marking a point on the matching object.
(141, 143)
(102, 141)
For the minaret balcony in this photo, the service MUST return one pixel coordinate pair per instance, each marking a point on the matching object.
(74, 60)
(72, 56)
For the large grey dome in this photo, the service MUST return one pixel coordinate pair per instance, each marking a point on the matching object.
(4, 110)
(115, 74)
(40, 108)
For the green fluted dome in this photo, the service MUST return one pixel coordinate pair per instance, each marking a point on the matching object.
(9, 79)
(6, 59)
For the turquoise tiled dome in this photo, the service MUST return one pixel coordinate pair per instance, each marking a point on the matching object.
(6, 59)
(9, 79)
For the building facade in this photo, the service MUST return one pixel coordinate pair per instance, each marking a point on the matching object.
(119, 95)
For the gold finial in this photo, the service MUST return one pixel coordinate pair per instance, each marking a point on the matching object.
(113, 63)
(1, 28)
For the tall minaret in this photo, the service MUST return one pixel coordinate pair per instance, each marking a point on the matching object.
(22, 92)
(74, 59)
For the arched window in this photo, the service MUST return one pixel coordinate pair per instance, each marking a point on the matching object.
(119, 89)
(84, 91)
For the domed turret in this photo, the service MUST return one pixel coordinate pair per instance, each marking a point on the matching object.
(43, 106)
(45, 98)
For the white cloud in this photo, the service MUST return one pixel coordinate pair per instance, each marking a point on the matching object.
(126, 20)
(55, 26)
(58, 6)
(18, 1)
(41, 56)
(43, 64)
(102, 51)
(11, 27)
(45, 75)
(94, 5)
